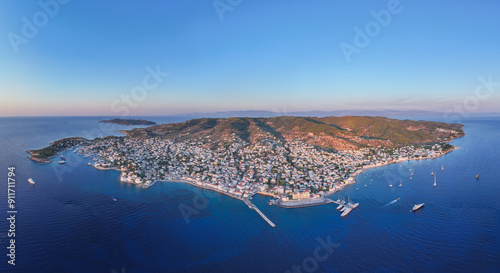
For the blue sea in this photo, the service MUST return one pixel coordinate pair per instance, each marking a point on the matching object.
(69, 221)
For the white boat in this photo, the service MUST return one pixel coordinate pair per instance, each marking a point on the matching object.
(346, 212)
(400, 184)
(442, 167)
(417, 207)
(432, 173)
(390, 185)
(340, 206)
(477, 176)
(31, 181)
(355, 205)
(434, 181)
(62, 162)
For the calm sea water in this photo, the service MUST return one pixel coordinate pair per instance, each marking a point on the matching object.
(69, 222)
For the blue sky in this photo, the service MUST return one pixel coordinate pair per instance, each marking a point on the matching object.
(264, 55)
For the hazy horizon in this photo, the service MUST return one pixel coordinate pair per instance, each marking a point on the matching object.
(69, 58)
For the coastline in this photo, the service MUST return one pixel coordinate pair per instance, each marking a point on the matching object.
(284, 204)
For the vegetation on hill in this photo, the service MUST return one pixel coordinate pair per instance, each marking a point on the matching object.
(129, 121)
(43, 155)
(339, 133)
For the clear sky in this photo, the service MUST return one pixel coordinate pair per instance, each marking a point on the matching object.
(91, 57)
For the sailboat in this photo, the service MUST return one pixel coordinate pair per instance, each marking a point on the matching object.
(434, 181)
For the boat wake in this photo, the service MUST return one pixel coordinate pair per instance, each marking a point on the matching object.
(392, 202)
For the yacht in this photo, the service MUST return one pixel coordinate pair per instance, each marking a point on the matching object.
(417, 207)
(477, 176)
(346, 212)
(31, 181)
(434, 181)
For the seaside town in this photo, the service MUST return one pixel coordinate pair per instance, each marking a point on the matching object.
(295, 173)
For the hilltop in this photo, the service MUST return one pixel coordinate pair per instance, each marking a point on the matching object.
(338, 133)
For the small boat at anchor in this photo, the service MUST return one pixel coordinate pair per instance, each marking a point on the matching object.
(32, 182)
(417, 207)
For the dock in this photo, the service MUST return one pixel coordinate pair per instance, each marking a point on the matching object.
(252, 206)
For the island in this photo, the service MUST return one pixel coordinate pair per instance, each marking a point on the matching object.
(299, 161)
(120, 121)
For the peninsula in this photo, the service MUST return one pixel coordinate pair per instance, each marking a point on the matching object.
(297, 160)
(120, 121)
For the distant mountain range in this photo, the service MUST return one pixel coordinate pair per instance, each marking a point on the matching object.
(410, 114)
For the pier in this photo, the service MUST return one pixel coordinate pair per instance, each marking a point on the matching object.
(252, 206)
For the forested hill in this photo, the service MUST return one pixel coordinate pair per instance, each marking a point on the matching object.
(340, 133)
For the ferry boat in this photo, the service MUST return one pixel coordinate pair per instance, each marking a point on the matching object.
(31, 181)
(417, 207)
